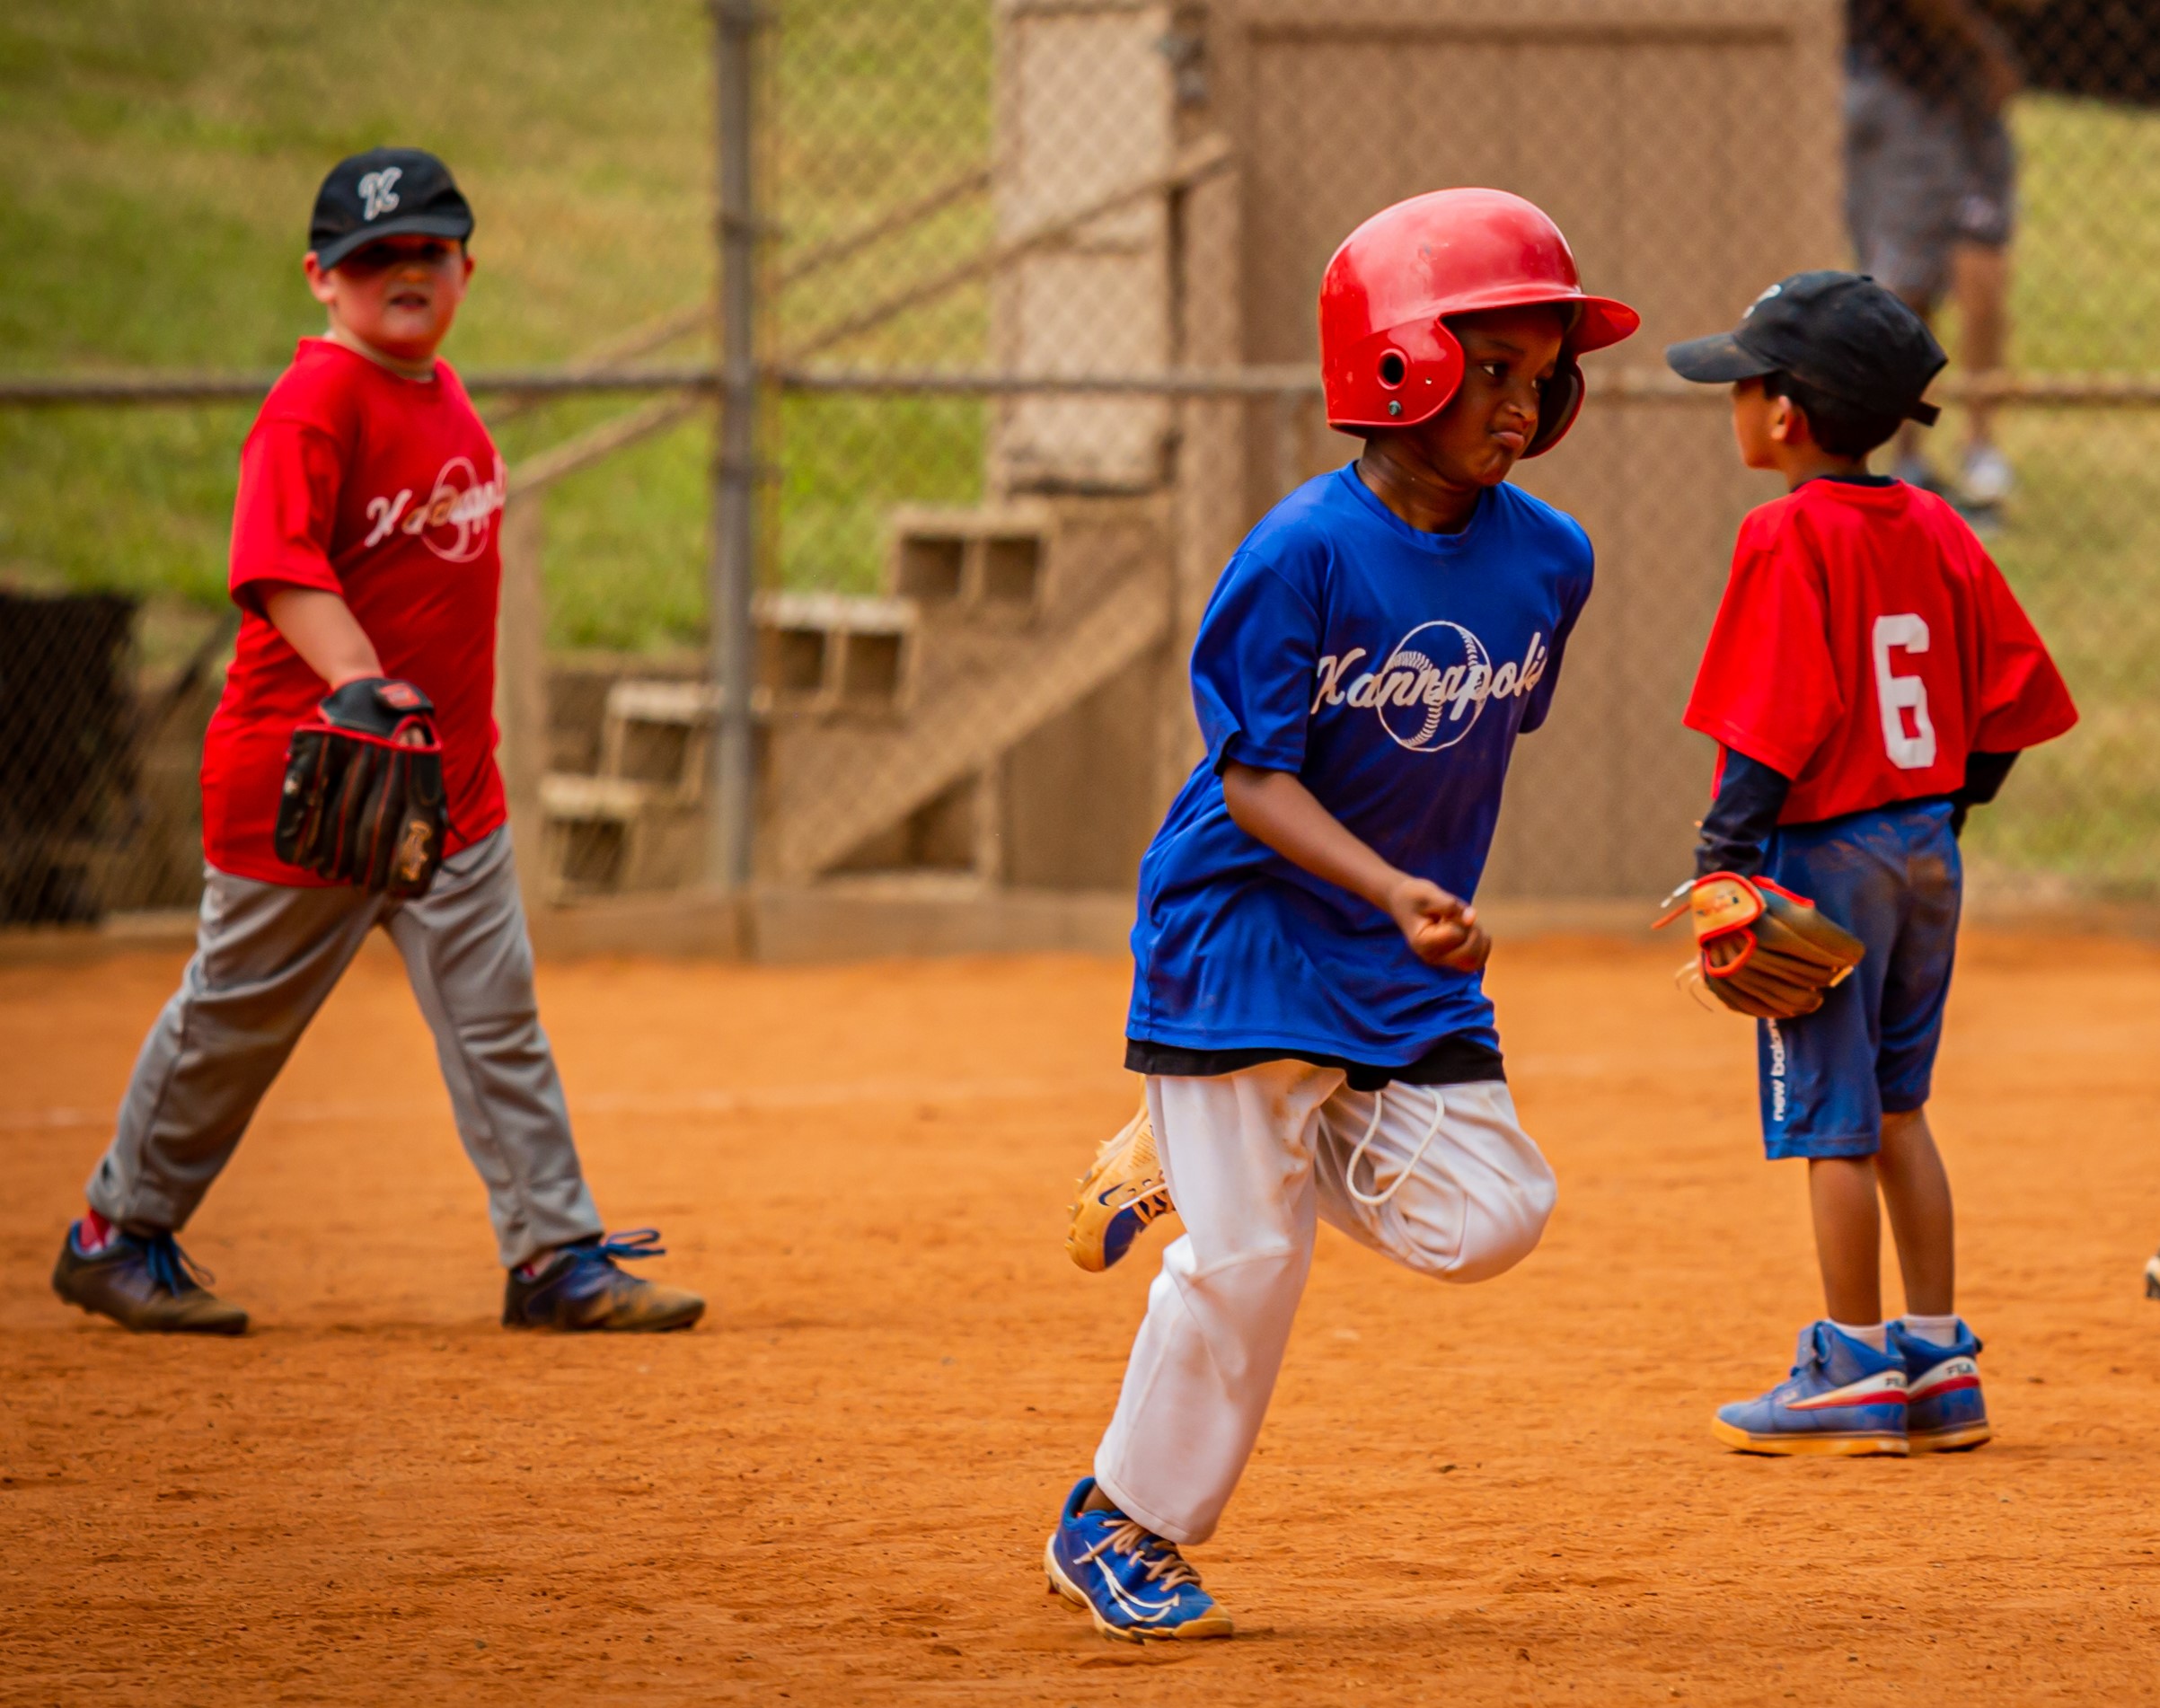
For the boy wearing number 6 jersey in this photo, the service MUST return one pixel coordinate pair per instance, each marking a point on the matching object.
(1869, 678)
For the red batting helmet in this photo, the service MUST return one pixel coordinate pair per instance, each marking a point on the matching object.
(1386, 356)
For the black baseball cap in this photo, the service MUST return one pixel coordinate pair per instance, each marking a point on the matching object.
(386, 192)
(1839, 333)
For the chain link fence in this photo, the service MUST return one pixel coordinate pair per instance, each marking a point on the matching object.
(161, 160)
(1074, 190)
(2078, 86)
(1034, 310)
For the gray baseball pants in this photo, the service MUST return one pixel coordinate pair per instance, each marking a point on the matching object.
(266, 956)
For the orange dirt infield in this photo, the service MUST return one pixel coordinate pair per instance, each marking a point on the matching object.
(837, 1488)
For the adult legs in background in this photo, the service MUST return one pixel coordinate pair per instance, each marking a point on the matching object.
(1930, 205)
(1981, 287)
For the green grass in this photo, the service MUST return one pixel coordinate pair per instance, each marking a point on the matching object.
(2083, 547)
(2083, 555)
(159, 158)
(2087, 288)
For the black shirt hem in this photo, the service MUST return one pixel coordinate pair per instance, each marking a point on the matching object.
(1452, 1062)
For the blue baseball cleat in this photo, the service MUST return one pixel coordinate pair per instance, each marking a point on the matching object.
(1945, 1411)
(1135, 1585)
(1843, 1397)
(144, 1281)
(582, 1288)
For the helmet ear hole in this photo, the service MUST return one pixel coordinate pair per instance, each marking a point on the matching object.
(1394, 370)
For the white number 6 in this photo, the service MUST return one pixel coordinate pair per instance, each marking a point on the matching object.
(1896, 695)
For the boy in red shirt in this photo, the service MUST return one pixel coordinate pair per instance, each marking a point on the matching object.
(1869, 677)
(365, 561)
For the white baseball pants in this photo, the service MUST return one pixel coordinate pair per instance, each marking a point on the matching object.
(1442, 1179)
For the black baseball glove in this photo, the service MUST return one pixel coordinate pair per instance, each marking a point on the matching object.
(363, 802)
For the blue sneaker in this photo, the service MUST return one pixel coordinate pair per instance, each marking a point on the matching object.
(1843, 1396)
(1135, 1586)
(1945, 1411)
(580, 1287)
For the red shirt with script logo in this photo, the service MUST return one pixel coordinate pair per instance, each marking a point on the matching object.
(388, 492)
(1867, 644)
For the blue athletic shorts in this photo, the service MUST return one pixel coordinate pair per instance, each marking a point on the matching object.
(1893, 877)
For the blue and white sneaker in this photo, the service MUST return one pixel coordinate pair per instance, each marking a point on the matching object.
(1843, 1396)
(1135, 1586)
(1945, 1411)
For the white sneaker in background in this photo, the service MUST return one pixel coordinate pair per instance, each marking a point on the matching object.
(1989, 478)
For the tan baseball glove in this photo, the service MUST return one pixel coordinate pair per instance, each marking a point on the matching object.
(1759, 948)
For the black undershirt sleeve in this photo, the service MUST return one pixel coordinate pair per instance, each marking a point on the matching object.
(1984, 776)
(1736, 830)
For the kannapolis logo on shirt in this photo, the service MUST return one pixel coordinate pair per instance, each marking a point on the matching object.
(453, 520)
(1435, 683)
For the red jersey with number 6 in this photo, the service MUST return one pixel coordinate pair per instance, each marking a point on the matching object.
(1865, 646)
(388, 492)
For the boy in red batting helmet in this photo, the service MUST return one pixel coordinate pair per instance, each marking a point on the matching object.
(1869, 679)
(366, 565)
(1309, 1006)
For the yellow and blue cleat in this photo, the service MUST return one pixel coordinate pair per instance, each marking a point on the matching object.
(1841, 1397)
(1944, 1411)
(1135, 1584)
(1122, 1191)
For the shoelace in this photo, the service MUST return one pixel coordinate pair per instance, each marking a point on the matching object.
(1373, 1201)
(171, 1267)
(621, 1248)
(1164, 1565)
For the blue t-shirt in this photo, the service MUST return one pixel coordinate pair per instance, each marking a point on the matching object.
(1391, 670)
